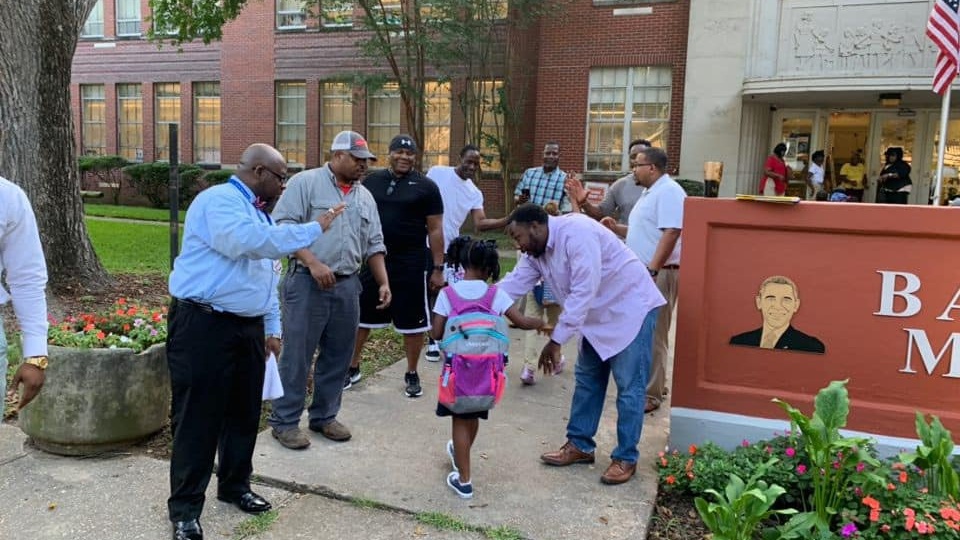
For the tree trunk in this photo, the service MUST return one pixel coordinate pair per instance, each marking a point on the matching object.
(37, 150)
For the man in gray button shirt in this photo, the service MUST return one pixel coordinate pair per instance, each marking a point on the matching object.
(320, 294)
(621, 195)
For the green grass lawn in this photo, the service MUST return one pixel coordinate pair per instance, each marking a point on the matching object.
(129, 212)
(131, 248)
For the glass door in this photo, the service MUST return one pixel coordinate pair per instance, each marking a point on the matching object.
(801, 131)
(891, 130)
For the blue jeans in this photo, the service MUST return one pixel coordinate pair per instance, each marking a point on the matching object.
(631, 369)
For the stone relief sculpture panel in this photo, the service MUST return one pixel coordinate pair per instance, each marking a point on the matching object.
(882, 38)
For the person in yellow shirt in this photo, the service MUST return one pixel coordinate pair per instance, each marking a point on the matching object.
(853, 177)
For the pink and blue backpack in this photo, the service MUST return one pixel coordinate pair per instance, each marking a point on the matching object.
(474, 346)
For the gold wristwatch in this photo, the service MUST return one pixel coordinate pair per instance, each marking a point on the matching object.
(38, 361)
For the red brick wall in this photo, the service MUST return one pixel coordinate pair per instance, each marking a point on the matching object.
(586, 36)
(247, 87)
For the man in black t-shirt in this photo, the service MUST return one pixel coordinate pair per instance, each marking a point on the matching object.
(411, 214)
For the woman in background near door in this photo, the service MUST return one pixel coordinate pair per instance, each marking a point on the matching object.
(853, 177)
(895, 184)
(774, 181)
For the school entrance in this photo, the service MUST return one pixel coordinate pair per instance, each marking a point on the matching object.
(841, 133)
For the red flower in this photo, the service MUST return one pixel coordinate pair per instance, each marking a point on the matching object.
(911, 518)
(903, 477)
(157, 317)
(871, 502)
(89, 327)
(101, 335)
(671, 479)
(692, 450)
(126, 328)
(122, 301)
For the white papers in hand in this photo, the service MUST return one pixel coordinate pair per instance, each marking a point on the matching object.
(272, 387)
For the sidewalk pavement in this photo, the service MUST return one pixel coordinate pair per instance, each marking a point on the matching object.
(395, 459)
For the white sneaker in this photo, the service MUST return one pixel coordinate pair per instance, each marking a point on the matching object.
(527, 375)
(433, 351)
(558, 369)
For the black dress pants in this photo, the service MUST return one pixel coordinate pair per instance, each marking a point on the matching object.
(216, 365)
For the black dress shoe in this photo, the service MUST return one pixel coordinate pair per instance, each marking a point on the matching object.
(187, 530)
(249, 502)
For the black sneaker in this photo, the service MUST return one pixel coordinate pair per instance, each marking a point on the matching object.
(353, 377)
(413, 384)
(433, 351)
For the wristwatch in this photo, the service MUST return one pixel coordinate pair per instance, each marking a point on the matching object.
(38, 361)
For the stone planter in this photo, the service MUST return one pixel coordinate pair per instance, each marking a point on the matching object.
(96, 400)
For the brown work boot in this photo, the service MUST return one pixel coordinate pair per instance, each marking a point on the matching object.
(618, 472)
(568, 454)
(293, 439)
(335, 431)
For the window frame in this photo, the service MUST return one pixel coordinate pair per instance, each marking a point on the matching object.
(159, 125)
(132, 5)
(345, 7)
(285, 125)
(200, 127)
(280, 13)
(86, 123)
(436, 92)
(123, 123)
(97, 10)
(389, 91)
(630, 89)
(341, 95)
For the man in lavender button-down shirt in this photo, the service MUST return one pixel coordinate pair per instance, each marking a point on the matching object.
(610, 299)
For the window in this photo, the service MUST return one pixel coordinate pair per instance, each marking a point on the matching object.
(436, 124)
(94, 25)
(383, 118)
(130, 122)
(291, 14)
(392, 14)
(337, 13)
(206, 122)
(336, 111)
(128, 17)
(292, 122)
(93, 125)
(166, 111)
(488, 114)
(625, 104)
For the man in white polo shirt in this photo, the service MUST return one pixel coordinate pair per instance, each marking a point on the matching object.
(461, 198)
(653, 233)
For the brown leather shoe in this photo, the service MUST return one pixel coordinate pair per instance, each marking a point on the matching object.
(335, 431)
(618, 472)
(652, 405)
(568, 454)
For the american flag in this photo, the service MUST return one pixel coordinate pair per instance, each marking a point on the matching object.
(943, 29)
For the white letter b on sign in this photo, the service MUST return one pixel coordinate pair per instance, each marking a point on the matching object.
(889, 292)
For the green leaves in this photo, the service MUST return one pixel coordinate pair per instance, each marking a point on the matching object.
(933, 456)
(743, 506)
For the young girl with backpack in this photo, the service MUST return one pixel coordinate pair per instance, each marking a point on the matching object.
(474, 347)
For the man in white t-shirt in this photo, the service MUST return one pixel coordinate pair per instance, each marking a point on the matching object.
(653, 233)
(461, 198)
(815, 173)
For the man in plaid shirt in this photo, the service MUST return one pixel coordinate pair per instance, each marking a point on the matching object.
(545, 183)
(541, 185)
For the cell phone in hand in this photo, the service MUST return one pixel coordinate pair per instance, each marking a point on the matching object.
(525, 192)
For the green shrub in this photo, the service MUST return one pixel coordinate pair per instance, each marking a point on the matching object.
(694, 188)
(107, 169)
(220, 176)
(152, 181)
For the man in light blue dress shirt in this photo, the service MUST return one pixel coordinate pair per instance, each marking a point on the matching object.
(224, 319)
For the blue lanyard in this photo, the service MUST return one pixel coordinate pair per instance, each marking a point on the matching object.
(236, 184)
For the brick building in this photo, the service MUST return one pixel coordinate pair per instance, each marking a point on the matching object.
(596, 74)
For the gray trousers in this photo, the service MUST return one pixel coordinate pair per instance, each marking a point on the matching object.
(3, 367)
(312, 318)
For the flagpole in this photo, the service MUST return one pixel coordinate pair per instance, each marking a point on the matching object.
(942, 144)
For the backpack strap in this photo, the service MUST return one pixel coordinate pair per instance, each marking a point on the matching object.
(457, 303)
(487, 299)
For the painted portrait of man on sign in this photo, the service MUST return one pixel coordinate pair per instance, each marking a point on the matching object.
(778, 300)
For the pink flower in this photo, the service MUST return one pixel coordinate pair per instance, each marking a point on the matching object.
(744, 443)
(801, 469)
(860, 466)
(790, 452)
(848, 530)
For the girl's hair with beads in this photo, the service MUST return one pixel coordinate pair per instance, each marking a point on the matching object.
(465, 252)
